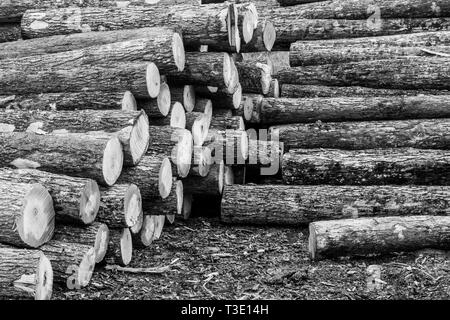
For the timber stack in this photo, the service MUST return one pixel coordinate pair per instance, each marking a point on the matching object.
(115, 120)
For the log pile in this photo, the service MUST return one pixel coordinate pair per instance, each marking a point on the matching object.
(109, 128)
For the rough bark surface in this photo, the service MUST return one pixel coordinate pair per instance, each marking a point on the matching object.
(254, 77)
(9, 32)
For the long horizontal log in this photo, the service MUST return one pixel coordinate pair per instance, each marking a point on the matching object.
(141, 78)
(425, 134)
(377, 235)
(304, 53)
(96, 100)
(120, 247)
(131, 127)
(10, 32)
(367, 167)
(402, 73)
(25, 274)
(93, 156)
(299, 205)
(200, 25)
(270, 111)
(27, 216)
(75, 200)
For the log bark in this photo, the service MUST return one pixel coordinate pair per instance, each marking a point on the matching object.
(10, 32)
(95, 235)
(367, 167)
(121, 206)
(305, 53)
(200, 25)
(228, 145)
(254, 77)
(131, 127)
(221, 98)
(317, 91)
(172, 205)
(97, 100)
(27, 216)
(141, 78)
(177, 118)
(120, 247)
(403, 73)
(425, 134)
(157, 108)
(75, 200)
(184, 95)
(264, 37)
(377, 235)
(97, 157)
(73, 263)
(272, 111)
(223, 119)
(264, 153)
(25, 274)
(299, 205)
(212, 184)
(247, 20)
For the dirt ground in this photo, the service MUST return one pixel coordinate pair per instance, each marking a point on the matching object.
(209, 260)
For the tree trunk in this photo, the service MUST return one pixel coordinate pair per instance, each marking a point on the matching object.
(26, 215)
(97, 100)
(169, 206)
(75, 200)
(367, 167)
(299, 205)
(95, 235)
(317, 91)
(25, 274)
(304, 110)
(212, 184)
(98, 157)
(131, 127)
(73, 263)
(254, 77)
(200, 25)
(377, 235)
(221, 98)
(305, 53)
(403, 73)
(121, 206)
(184, 95)
(10, 32)
(120, 247)
(141, 78)
(425, 134)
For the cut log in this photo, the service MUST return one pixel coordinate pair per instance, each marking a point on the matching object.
(299, 205)
(97, 100)
(204, 106)
(249, 107)
(223, 119)
(10, 32)
(184, 95)
(264, 37)
(145, 237)
(221, 98)
(228, 145)
(265, 154)
(212, 184)
(95, 235)
(131, 127)
(73, 263)
(402, 73)
(159, 107)
(274, 89)
(247, 20)
(27, 216)
(377, 235)
(198, 124)
(120, 247)
(141, 78)
(160, 220)
(200, 25)
(304, 53)
(187, 205)
(270, 111)
(170, 206)
(425, 134)
(367, 167)
(121, 206)
(254, 77)
(207, 68)
(153, 177)
(76, 154)
(201, 161)
(174, 142)
(75, 200)
(317, 91)
(25, 274)
(177, 118)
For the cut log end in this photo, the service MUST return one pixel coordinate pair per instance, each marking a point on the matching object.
(159, 226)
(179, 190)
(101, 243)
(189, 98)
(241, 124)
(269, 35)
(200, 129)
(126, 247)
(221, 177)
(312, 241)
(170, 218)
(178, 116)
(229, 176)
(153, 79)
(227, 69)
(178, 51)
(244, 145)
(133, 206)
(44, 279)
(248, 26)
(164, 99)
(187, 205)
(274, 88)
(86, 268)
(36, 223)
(139, 138)
(237, 97)
(89, 202)
(112, 161)
(147, 231)
(184, 152)
(204, 161)
(165, 178)
(129, 102)
(248, 109)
